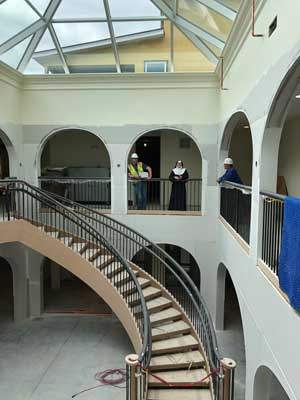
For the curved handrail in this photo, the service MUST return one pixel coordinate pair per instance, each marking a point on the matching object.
(49, 201)
(161, 255)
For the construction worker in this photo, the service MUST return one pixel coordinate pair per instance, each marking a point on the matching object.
(141, 172)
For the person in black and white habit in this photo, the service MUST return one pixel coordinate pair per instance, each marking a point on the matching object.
(179, 176)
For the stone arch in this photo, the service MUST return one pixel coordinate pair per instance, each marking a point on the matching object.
(237, 143)
(267, 386)
(160, 148)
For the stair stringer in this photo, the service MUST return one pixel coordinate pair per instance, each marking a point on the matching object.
(29, 235)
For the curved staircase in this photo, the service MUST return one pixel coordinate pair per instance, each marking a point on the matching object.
(178, 354)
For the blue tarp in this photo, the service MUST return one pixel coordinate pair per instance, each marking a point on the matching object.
(289, 263)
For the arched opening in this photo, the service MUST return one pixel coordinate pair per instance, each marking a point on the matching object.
(279, 164)
(229, 326)
(75, 164)
(267, 386)
(6, 292)
(237, 145)
(170, 190)
(4, 160)
(281, 141)
(145, 260)
(65, 293)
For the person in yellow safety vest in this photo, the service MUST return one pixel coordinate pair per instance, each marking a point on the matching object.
(141, 172)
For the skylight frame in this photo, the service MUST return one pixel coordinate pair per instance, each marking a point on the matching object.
(196, 34)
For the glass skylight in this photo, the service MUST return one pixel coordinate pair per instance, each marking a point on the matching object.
(70, 36)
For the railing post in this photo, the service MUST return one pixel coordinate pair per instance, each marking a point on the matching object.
(132, 387)
(228, 366)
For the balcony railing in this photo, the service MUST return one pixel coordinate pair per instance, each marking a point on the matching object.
(273, 205)
(236, 207)
(160, 194)
(94, 192)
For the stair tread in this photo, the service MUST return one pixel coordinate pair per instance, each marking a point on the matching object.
(181, 377)
(111, 268)
(173, 344)
(182, 394)
(150, 291)
(67, 240)
(170, 328)
(167, 314)
(53, 234)
(159, 301)
(103, 260)
(91, 252)
(177, 360)
(78, 246)
(122, 275)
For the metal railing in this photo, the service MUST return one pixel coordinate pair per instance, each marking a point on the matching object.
(129, 242)
(162, 194)
(235, 207)
(94, 192)
(272, 224)
(23, 201)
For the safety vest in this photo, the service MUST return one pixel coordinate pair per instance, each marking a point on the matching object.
(135, 172)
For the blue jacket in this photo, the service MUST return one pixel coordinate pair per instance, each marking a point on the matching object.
(230, 175)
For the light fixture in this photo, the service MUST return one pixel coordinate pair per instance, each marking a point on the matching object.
(246, 127)
(145, 144)
(298, 96)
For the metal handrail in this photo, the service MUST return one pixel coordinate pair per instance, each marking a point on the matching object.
(193, 292)
(272, 195)
(73, 217)
(237, 186)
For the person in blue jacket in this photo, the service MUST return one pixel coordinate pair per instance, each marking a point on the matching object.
(231, 174)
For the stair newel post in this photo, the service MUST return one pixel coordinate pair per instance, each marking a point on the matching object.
(132, 383)
(228, 366)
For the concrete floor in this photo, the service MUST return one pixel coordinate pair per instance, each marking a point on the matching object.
(53, 357)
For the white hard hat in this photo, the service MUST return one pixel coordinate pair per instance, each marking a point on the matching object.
(134, 155)
(228, 161)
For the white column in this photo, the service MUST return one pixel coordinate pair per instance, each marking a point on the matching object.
(118, 153)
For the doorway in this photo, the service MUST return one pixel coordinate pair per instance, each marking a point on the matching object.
(148, 149)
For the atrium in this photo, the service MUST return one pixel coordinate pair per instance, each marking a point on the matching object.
(149, 199)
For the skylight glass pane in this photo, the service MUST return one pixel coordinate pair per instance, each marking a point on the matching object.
(123, 28)
(46, 43)
(13, 56)
(132, 8)
(77, 33)
(40, 5)
(213, 48)
(143, 49)
(80, 9)
(205, 18)
(15, 15)
(34, 68)
(233, 4)
(187, 57)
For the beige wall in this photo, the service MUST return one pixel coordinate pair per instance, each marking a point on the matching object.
(171, 152)
(75, 148)
(289, 157)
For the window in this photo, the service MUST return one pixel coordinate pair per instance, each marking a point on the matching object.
(156, 66)
(273, 26)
